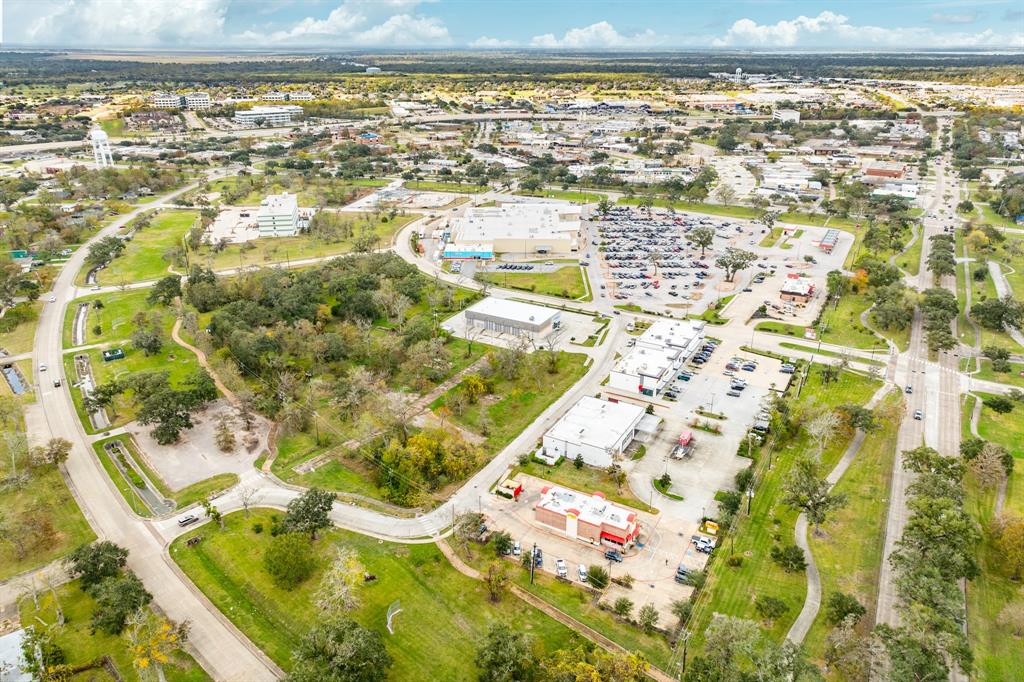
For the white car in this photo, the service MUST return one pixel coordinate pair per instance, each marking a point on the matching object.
(561, 569)
(53, 299)
(582, 570)
(42, 367)
(517, 548)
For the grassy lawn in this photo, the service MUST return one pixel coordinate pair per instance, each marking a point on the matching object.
(699, 207)
(143, 258)
(849, 552)
(769, 239)
(80, 646)
(843, 327)
(521, 401)
(992, 218)
(910, 260)
(18, 327)
(1006, 429)
(267, 251)
(114, 318)
(444, 614)
(581, 197)
(309, 192)
(833, 354)
(433, 186)
(1012, 378)
(774, 327)
(733, 590)
(815, 219)
(565, 282)
(586, 479)
(183, 498)
(997, 654)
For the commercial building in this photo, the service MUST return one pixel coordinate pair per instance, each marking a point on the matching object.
(164, 100)
(786, 115)
(796, 289)
(591, 519)
(528, 229)
(684, 336)
(277, 96)
(502, 316)
(644, 371)
(267, 116)
(197, 101)
(278, 216)
(596, 430)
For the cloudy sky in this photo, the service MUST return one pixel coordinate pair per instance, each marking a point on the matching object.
(549, 24)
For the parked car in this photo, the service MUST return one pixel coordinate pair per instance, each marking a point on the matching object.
(187, 520)
(517, 548)
(733, 394)
(561, 569)
(538, 558)
(682, 575)
(582, 572)
(613, 555)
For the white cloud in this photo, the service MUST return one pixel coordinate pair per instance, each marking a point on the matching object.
(121, 22)
(954, 17)
(829, 29)
(601, 34)
(487, 42)
(362, 22)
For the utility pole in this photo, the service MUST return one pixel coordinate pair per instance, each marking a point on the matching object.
(533, 562)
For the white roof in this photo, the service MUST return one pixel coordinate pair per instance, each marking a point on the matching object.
(279, 204)
(672, 333)
(646, 360)
(517, 221)
(597, 423)
(592, 509)
(797, 285)
(513, 310)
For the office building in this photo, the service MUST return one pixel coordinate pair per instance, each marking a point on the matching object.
(278, 216)
(197, 101)
(164, 100)
(267, 116)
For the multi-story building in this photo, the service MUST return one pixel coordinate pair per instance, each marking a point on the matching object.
(278, 216)
(197, 101)
(269, 116)
(165, 100)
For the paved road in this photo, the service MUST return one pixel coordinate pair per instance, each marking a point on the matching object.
(219, 647)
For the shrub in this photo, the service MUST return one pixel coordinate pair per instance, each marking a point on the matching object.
(735, 561)
(770, 608)
(598, 577)
(841, 605)
(790, 558)
(289, 560)
(257, 528)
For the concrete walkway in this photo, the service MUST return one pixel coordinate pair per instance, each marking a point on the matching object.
(812, 602)
(1003, 289)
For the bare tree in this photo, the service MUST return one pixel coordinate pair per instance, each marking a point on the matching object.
(247, 495)
(822, 428)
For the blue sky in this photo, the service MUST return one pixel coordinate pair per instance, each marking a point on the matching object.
(574, 24)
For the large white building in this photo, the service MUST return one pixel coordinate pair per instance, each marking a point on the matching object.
(268, 116)
(686, 336)
(164, 100)
(278, 216)
(101, 148)
(786, 115)
(198, 101)
(529, 229)
(504, 316)
(644, 371)
(597, 430)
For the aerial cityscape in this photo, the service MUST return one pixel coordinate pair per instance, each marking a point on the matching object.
(365, 340)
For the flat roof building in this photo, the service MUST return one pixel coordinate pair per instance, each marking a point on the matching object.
(829, 240)
(786, 115)
(797, 290)
(278, 216)
(267, 116)
(164, 100)
(197, 101)
(521, 228)
(596, 430)
(502, 316)
(590, 518)
(645, 370)
(685, 336)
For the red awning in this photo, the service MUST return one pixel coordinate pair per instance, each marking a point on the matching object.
(605, 535)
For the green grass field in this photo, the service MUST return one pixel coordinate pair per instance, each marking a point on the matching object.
(143, 259)
(586, 479)
(1012, 378)
(268, 251)
(435, 186)
(81, 646)
(699, 207)
(910, 260)
(19, 338)
(521, 401)
(1006, 429)
(732, 590)
(444, 614)
(309, 192)
(849, 552)
(843, 324)
(990, 217)
(832, 354)
(114, 317)
(565, 282)
(579, 196)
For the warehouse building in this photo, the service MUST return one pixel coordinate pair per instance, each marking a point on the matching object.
(527, 229)
(502, 316)
(685, 336)
(596, 430)
(278, 216)
(592, 518)
(645, 371)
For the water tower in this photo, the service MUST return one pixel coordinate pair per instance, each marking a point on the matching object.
(739, 73)
(101, 148)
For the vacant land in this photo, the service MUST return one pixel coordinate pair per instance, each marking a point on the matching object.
(435, 186)
(444, 614)
(143, 259)
(81, 646)
(565, 282)
(849, 550)
(579, 197)
(699, 207)
(1015, 377)
(18, 327)
(1006, 429)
